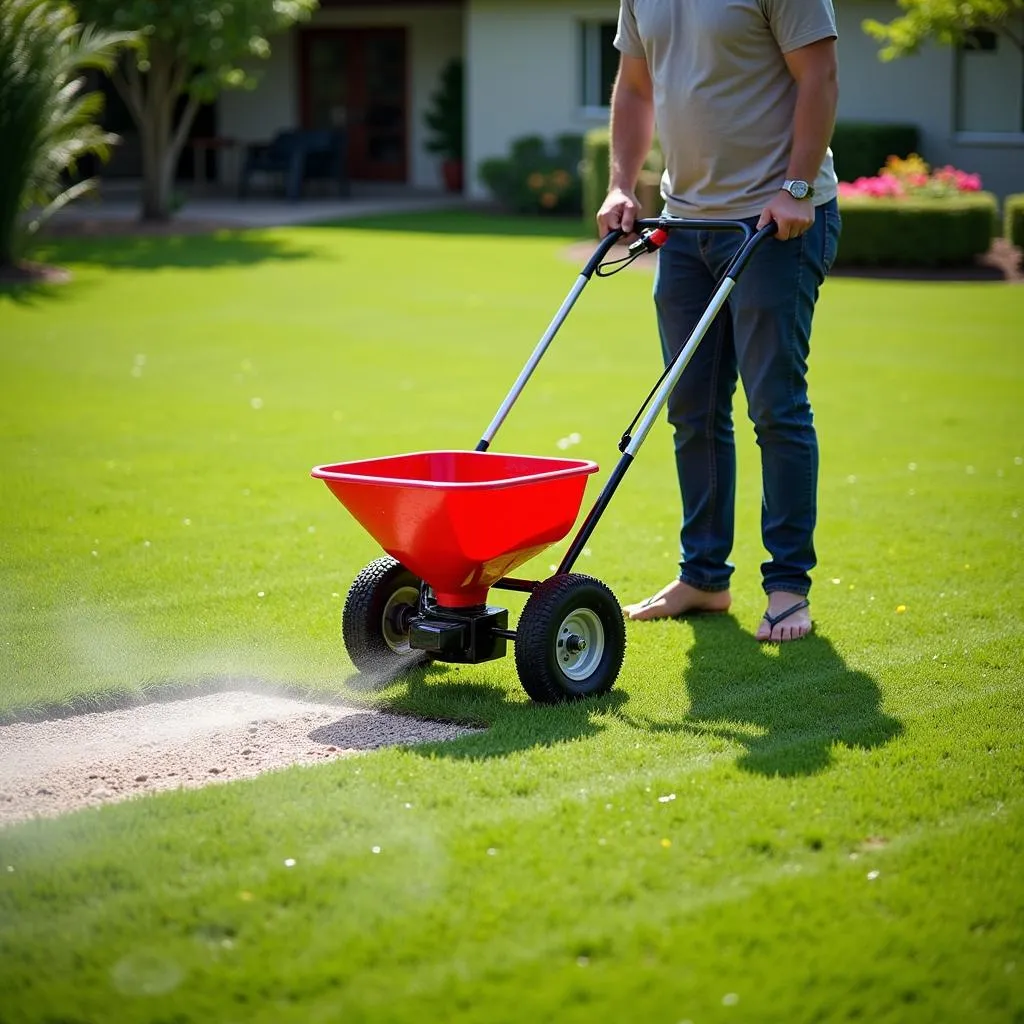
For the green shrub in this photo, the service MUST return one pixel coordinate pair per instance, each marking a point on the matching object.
(860, 148)
(444, 117)
(915, 232)
(1013, 219)
(537, 176)
(596, 155)
(47, 120)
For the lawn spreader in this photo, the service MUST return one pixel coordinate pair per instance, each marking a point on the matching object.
(456, 523)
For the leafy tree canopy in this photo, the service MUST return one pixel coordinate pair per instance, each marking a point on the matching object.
(211, 38)
(946, 21)
(190, 48)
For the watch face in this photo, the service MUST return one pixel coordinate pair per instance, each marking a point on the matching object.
(798, 189)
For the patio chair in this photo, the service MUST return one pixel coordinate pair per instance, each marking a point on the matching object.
(297, 156)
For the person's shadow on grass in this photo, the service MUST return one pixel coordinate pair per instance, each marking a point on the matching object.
(789, 704)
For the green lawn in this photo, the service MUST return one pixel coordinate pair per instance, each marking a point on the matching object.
(831, 830)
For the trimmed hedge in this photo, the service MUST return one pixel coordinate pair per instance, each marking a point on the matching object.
(596, 156)
(1013, 219)
(861, 148)
(916, 232)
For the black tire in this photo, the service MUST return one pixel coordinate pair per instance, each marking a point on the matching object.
(550, 670)
(374, 621)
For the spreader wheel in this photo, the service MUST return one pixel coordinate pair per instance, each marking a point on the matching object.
(375, 621)
(570, 640)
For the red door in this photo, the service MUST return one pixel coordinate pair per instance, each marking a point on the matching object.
(357, 77)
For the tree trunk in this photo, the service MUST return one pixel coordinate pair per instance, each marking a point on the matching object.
(162, 140)
(157, 173)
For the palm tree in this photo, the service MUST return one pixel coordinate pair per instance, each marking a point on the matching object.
(47, 122)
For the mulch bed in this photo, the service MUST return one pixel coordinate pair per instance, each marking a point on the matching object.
(33, 273)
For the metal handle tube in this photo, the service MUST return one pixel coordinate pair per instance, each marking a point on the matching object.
(531, 364)
(542, 346)
(579, 542)
(644, 427)
(679, 364)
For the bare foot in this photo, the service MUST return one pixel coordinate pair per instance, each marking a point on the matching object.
(788, 618)
(678, 598)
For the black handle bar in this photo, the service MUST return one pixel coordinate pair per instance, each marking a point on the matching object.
(653, 233)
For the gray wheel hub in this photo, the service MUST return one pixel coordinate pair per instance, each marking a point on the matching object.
(580, 644)
(395, 618)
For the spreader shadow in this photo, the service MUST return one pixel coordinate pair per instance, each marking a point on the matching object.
(372, 730)
(788, 705)
(504, 722)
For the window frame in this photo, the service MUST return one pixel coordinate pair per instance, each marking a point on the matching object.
(968, 137)
(589, 78)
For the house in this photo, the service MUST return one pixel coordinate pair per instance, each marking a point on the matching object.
(546, 66)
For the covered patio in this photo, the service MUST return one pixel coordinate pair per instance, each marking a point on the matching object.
(115, 208)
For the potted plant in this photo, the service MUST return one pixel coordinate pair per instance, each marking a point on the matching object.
(445, 121)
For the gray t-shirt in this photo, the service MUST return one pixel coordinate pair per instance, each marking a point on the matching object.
(723, 96)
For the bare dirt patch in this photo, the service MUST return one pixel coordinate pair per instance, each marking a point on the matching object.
(51, 767)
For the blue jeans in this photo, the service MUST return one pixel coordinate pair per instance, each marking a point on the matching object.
(761, 337)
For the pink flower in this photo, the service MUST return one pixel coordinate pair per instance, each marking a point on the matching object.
(943, 181)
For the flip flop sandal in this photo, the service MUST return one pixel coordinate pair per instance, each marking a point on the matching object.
(774, 620)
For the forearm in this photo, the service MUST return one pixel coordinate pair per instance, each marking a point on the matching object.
(632, 131)
(813, 122)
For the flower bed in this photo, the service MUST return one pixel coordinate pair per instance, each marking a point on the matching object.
(911, 178)
(911, 215)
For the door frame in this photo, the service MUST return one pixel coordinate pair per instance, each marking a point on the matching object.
(356, 138)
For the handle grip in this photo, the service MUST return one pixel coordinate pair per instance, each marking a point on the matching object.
(654, 233)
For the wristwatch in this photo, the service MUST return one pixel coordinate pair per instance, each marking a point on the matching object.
(797, 189)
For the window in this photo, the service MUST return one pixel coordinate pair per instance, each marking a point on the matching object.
(982, 40)
(599, 61)
(989, 85)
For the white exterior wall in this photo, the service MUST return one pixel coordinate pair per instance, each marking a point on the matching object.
(921, 90)
(255, 115)
(434, 36)
(523, 78)
(523, 74)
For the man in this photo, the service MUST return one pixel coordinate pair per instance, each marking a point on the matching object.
(743, 95)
